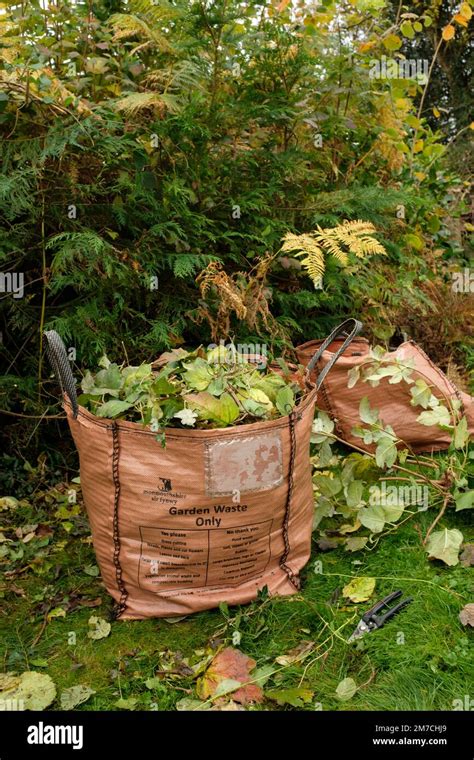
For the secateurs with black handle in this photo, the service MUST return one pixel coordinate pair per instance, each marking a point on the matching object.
(371, 620)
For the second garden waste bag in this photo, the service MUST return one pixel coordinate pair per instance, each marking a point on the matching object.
(214, 516)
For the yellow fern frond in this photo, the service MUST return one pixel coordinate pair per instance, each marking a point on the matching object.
(354, 237)
(138, 101)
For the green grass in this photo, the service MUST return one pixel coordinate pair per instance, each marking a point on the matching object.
(418, 661)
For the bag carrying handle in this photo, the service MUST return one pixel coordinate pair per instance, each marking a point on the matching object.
(338, 331)
(57, 356)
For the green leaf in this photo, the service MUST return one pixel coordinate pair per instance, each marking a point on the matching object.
(464, 500)
(372, 517)
(353, 376)
(445, 545)
(461, 433)
(285, 400)
(346, 689)
(354, 493)
(198, 374)
(386, 452)
(438, 416)
(329, 486)
(126, 704)
(392, 42)
(223, 410)
(35, 690)
(322, 426)
(359, 589)
(421, 394)
(296, 697)
(113, 408)
(407, 30)
(256, 402)
(356, 543)
(367, 415)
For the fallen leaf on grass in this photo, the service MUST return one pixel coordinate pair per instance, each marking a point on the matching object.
(227, 666)
(98, 628)
(445, 545)
(359, 589)
(8, 502)
(346, 689)
(297, 654)
(32, 690)
(466, 616)
(467, 557)
(296, 697)
(355, 543)
(74, 696)
(126, 704)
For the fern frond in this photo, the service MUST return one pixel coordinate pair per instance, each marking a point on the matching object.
(135, 102)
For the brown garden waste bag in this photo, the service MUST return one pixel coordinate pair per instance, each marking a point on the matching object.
(214, 516)
(392, 401)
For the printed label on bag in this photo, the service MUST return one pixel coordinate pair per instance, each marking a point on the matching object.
(193, 558)
(253, 463)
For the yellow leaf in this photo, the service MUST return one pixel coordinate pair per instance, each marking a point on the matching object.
(471, 125)
(420, 176)
(436, 112)
(418, 146)
(448, 32)
(392, 42)
(364, 46)
(281, 6)
(460, 19)
(466, 11)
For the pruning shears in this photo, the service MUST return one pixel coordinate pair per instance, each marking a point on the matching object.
(371, 620)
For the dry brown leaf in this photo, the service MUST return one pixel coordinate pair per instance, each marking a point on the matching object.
(297, 654)
(467, 557)
(230, 665)
(466, 616)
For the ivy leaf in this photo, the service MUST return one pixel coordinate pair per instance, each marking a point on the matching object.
(445, 545)
(386, 452)
(296, 697)
(438, 416)
(359, 589)
(346, 689)
(372, 517)
(367, 415)
(113, 408)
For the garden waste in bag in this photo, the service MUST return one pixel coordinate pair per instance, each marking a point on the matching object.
(214, 516)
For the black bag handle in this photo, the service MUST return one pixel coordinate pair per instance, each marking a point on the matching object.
(57, 356)
(342, 329)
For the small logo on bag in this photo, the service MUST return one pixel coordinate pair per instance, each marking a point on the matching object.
(165, 484)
